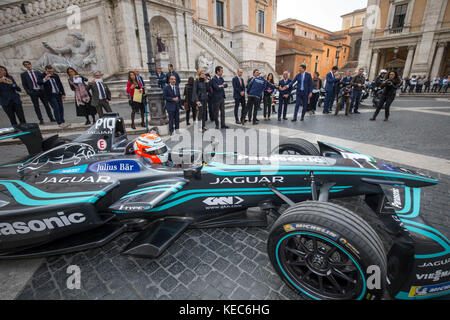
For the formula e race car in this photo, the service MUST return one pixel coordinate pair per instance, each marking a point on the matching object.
(75, 197)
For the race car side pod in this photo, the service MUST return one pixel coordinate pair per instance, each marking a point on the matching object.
(419, 257)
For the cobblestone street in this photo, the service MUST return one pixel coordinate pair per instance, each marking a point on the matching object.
(232, 263)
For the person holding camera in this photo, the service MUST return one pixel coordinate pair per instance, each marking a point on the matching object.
(389, 87)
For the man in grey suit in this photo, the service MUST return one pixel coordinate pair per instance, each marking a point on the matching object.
(101, 95)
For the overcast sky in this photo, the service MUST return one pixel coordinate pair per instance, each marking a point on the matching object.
(322, 13)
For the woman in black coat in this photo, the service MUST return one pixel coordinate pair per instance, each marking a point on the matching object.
(9, 98)
(389, 86)
(188, 98)
(82, 96)
(200, 95)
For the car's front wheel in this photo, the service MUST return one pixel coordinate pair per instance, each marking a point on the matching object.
(296, 146)
(325, 252)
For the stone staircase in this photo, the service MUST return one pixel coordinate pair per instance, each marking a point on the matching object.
(205, 40)
(349, 66)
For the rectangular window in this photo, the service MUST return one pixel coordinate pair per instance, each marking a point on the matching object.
(328, 53)
(399, 18)
(219, 13)
(261, 21)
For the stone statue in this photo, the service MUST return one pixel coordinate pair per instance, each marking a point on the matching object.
(160, 44)
(78, 54)
(205, 64)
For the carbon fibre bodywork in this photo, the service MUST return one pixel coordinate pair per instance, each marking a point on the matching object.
(73, 198)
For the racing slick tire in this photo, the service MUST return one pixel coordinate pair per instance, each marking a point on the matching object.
(326, 252)
(297, 146)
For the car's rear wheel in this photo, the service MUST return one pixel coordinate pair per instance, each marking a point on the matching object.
(296, 147)
(326, 252)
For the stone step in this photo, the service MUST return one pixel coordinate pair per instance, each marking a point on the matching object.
(78, 128)
(425, 95)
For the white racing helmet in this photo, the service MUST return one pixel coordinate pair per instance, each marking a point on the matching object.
(383, 71)
(151, 147)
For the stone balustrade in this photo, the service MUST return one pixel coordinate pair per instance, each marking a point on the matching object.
(24, 11)
(216, 46)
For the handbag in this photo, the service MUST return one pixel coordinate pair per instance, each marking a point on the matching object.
(137, 97)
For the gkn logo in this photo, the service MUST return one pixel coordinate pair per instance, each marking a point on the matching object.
(223, 201)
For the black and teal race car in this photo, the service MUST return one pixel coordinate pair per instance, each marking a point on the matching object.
(76, 197)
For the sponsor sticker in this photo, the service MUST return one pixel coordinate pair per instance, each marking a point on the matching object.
(311, 227)
(40, 225)
(102, 144)
(421, 291)
(119, 166)
(217, 201)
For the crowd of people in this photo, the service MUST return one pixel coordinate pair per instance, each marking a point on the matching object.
(204, 95)
(422, 84)
(91, 96)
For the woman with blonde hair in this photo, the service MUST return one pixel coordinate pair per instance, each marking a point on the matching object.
(200, 97)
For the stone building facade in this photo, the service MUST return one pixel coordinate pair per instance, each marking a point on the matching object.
(410, 36)
(299, 42)
(109, 35)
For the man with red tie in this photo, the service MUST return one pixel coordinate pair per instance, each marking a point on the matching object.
(35, 91)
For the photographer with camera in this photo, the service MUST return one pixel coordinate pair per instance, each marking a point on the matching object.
(389, 86)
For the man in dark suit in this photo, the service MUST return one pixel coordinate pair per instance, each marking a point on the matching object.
(34, 90)
(218, 97)
(284, 96)
(55, 94)
(172, 72)
(304, 90)
(330, 89)
(171, 94)
(9, 98)
(239, 95)
(101, 95)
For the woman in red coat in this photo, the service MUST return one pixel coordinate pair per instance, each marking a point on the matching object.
(133, 85)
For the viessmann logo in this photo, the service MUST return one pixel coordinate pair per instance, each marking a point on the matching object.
(59, 221)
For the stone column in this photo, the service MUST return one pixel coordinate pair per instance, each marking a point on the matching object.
(409, 61)
(371, 23)
(373, 67)
(424, 56)
(438, 60)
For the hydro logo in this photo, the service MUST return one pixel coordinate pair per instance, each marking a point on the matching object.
(59, 221)
(223, 201)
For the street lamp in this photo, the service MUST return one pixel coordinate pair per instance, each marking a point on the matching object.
(338, 50)
(154, 97)
(395, 58)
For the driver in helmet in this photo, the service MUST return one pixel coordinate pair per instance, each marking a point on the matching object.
(152, 148)
(381, 77)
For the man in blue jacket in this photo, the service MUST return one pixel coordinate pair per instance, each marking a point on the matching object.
(218, 97)
(171, 94)
(330, 89)
(304, 90)
(161, 77)
(238, 95)
(172, 72)
(255, 89)
(284, 96)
